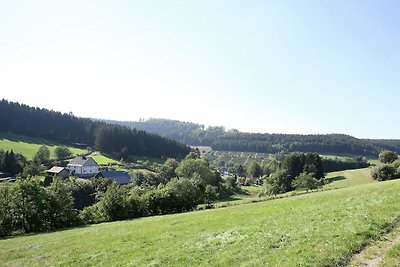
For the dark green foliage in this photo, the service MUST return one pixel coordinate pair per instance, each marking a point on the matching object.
(6, 211)
(60, 206)
(42, 156)
(113, 204)
(278, 183)
(385, 172)
(297, 171)
(62, 152)
(66, 129)
(310, 163)
(147, 179)
(31, 169)
(253, 169)
(306, 181)
(387, 156)
(10, 164)
(220, 139)
(167, 170)
(332, 165)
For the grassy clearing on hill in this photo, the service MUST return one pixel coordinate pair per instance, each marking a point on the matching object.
(102, 159)
(316, 229)
(348, 178)
(28, 146)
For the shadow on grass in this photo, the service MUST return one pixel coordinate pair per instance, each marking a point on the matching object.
(21, 233)
(334, 179)
(27, 139)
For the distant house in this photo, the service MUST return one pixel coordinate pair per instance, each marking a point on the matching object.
(59, 171)
(83, 166)
(121, 177)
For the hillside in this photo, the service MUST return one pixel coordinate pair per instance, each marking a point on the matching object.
(316, 229)
(220, 139)
(68, 129)
(28, 146)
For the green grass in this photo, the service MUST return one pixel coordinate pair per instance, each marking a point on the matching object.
(103, 160)
(348, 178)
(316, 229)
(392, 256)
(28, 146)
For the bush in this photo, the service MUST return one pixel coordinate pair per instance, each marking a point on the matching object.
(91, 214)
(306, 181)
(6, 214)
(277, 183)
(385, 172)
(113, 204)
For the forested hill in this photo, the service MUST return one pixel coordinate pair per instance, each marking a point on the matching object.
(67, 129)
(220, 139)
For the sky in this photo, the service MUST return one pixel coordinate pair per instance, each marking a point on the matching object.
(308, 67)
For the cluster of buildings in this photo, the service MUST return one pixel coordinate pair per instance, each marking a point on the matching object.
(87, 167)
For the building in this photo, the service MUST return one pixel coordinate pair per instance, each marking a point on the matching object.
(59, 171)
(121, 177)
(83, 166)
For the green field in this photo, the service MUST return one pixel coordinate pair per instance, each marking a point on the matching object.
(316, 229)
(348, 178)
(103, 160)
(28, 146)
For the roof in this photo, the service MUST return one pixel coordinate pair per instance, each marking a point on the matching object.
(121, 177)
(80, 161)
(56, 169)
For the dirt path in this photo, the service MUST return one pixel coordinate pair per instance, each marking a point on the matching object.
(373, 254)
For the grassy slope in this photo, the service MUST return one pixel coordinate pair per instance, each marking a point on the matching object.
(314, 229)
(103, 160)
(349, 178)
(28, 146)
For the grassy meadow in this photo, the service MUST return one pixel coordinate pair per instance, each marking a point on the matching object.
(102, 159)
(348, 178)
(316, 229)
(28, 146)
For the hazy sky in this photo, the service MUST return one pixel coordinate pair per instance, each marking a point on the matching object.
(262, 66)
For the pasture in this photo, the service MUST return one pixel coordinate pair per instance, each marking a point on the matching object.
(28, 146)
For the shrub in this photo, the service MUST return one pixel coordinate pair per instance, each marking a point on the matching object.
(6, 211)
(306, 181)
(385, 172)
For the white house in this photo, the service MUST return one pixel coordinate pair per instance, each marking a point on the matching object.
(83, 166)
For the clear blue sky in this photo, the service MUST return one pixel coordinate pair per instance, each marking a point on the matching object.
(260, 66)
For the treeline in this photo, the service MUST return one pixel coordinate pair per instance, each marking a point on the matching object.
(68, 129)
(333, 165)
(220, 139)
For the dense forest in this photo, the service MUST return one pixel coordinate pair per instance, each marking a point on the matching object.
(68, 129)
(220, 139)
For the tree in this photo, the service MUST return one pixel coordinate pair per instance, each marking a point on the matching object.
(167, 170)
(385, 172)
(31, 206)
(277, 183)
(10, 164)
(113, 204)
(387, 156)
(253, 169)
(62, 152)
(42, 155)
(61, 212)
(31, 169)
(6, 210)
(306, 181)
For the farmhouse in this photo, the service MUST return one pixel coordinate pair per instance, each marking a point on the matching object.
(83, 166)
(59, 171)
(121, 177)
